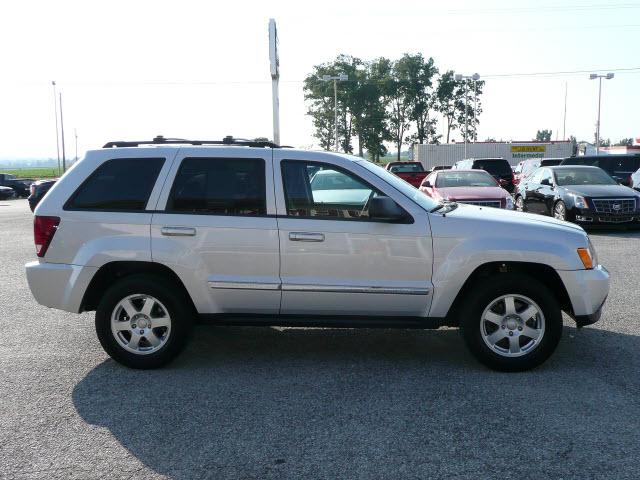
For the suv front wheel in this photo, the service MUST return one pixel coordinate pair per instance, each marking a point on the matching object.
(143, 321)
(511, 322)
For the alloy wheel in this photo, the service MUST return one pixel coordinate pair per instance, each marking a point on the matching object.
(512, 325)
(140, 324)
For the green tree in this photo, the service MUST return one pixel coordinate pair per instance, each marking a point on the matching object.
(625, 142)
(445, 94)
(422, 98)
(543, 135)
(468, 107)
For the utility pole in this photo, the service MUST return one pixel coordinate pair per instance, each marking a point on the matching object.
(55, 105)
(274, 60)
(75, 134)
(564, 123)
(593, 76)
(475, 77)
(64, 162)
(336, 78)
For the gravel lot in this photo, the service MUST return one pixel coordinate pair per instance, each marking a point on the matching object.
(284, 403)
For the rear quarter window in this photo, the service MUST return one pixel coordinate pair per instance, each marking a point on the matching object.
(122, 184)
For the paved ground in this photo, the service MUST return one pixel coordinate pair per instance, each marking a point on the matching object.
(265, 403)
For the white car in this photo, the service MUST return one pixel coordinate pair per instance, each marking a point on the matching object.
(152, 235)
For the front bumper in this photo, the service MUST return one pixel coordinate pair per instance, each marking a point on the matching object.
(586, 217)
(588, 290)
(58, 285)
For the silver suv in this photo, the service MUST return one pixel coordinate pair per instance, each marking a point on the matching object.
(152, 235)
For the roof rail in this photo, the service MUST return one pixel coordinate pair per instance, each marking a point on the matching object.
(160, 140)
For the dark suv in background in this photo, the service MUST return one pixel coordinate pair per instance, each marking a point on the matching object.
(620, 167)
(498, 168)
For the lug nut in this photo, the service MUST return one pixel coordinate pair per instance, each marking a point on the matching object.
(141, 332)
(503, 326)
(520, 328)
(511, 334)
(133, 326)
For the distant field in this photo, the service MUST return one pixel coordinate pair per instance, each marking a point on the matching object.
(36, 173)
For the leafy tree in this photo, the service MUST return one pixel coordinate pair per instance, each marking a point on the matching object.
(625, 142)
(421, 98)
(445, 94)
(543, 135)
(468, 109)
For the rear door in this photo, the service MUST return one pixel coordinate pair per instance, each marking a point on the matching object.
(215, 226)
(334, 258)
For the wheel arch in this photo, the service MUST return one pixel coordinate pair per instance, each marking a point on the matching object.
(543, 273)
(112, 272)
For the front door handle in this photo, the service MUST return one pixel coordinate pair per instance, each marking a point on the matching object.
(178, 231)
(306, 237)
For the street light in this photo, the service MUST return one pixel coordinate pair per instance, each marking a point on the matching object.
(475, 77)
(593, 76)
(336, 78)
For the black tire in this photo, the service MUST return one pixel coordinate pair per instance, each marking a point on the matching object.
(178, 307)
(483, 294)
(520, 200)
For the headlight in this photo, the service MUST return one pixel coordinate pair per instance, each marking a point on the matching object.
(579, 202)
(509, 203)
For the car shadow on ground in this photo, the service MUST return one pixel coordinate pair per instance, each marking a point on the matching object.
(247, 402)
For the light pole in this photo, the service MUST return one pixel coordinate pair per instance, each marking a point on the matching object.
(55, 105)
(336, 78)
(593, 76)
(475, 77)
(64, 160)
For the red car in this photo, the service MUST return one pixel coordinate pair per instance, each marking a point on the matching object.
(412, 172)
(475, 187)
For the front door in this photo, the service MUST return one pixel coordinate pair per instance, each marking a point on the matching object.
(335, 260)
(216, 228)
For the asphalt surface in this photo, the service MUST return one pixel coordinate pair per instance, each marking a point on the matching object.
(263, 403)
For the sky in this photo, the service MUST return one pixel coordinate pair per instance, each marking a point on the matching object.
(130, 70)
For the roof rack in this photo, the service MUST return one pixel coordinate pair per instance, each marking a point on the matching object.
(228, 140)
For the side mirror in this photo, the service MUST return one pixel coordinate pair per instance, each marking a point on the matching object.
(385, 208)
(427, 184)
(545, 181)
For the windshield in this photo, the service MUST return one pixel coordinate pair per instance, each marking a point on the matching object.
(407, 168)
(332, 180)
(583, 176)
(464, 179)
(403, 187)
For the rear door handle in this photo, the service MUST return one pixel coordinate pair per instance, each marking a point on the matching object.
(178, 231)
(306, 237)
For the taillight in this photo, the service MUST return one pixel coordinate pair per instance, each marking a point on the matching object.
(43, 230)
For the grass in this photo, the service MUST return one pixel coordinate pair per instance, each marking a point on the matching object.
(35, 172)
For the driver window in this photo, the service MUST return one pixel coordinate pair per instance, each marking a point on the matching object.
(314, 189)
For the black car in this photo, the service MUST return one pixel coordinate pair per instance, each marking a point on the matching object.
(498, 168)
(7, 193)
(584, 195)
(38, 190)
(620, 167)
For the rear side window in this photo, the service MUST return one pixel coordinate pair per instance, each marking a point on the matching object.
(494, 167)
(122, 184)
(219, 186)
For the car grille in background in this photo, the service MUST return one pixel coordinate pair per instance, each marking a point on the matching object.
(487, 203)
(615, 206)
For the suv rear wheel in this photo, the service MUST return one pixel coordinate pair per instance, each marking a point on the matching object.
(143, 321)
(511, 323)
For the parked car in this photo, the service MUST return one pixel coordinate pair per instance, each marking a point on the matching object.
(635, 180)
(412, 172)
(19, 185)
(527, 167)
(475, 187)
(498, 168)
(152, 234)
(38, 190)
(6, 193)
(584, 195)
(619, 167)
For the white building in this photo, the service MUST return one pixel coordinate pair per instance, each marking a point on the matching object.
(513, 152)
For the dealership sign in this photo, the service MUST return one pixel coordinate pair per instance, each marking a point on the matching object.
(522, 152)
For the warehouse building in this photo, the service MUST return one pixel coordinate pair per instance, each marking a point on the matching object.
(514, 152)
